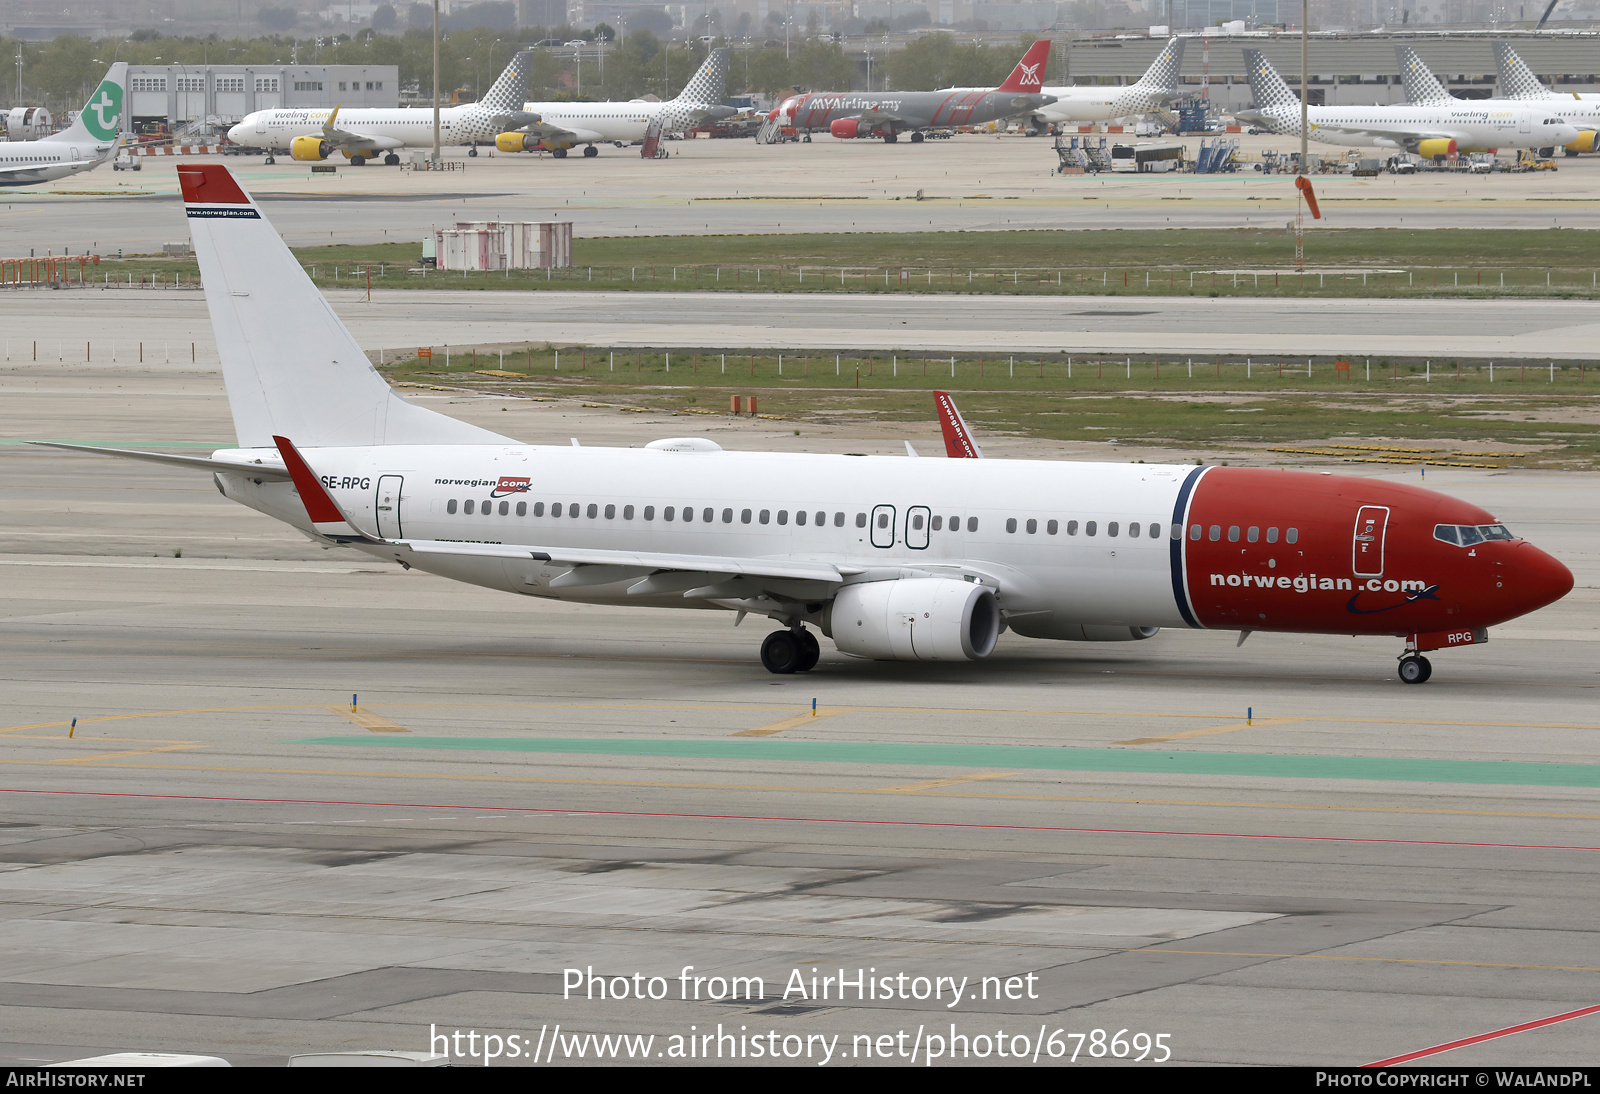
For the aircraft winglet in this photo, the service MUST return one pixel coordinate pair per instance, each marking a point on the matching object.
(326, 516)
(958, 442)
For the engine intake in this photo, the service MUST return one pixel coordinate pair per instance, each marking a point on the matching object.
(310, 148)
(1588, 141)
(915, 619)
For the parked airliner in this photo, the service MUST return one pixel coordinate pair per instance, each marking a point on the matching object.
(1074, 104)
(92, 139)
(1443, 129)
(556, 127)
(892, 558)
(1423, 88)
(366, 133)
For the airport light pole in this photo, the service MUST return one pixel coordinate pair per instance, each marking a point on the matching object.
(436, 156)
(1305, 15)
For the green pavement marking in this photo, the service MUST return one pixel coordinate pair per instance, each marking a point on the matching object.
(1012, 757)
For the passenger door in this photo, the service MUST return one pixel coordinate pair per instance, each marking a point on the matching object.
(1371, 523)
(389, 506)
(883, 526)
(917, 520)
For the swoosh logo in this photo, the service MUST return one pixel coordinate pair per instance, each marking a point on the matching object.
(1430, 593)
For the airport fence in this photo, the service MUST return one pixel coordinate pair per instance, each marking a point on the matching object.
(1096, 280)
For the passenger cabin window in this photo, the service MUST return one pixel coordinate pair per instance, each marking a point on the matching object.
(1233, 533)
(1252, 534)
(1272, 535)
(1155, 531)
(822, 518)
(522, 508)
(505, 507)
(538, 508)
(861, 520)
(688, 513)
(1089, 527)
(627, 512)
(1072, 527)
(611, 512)
(572, 510)
(883, 519)
(1216, 532)
(667, 512)
(937, 524)
(1291, 536)
(708, 514)
(766, 516)
(1011, 524)
(800, 517)
(1194, 533)
(1133, 530)
(783, 516)
(916, 522)
(450, 506)
(1111, 529)
(838, 520)
(744, 516)
(1033, 526)
(1052, 527)
(972, 524)
(467, 508)
(649, 512)
(727, 516)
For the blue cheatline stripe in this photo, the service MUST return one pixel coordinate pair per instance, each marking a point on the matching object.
(1022, 758)
(1180, 517)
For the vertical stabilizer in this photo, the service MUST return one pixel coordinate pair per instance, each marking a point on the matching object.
(101, 118)
(1028, 76)
(1272, 95)
(1517, 80)
(290, 365)
(958, 442)
(1422, 86)
(1162, 75)
(708, 86)
(511, 88)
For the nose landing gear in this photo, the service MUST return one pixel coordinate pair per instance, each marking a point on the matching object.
(785, 652)
(1415, 669)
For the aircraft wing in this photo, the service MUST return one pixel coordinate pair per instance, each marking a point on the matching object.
(549, 131)
(874, 117)
(360, 142)
(732, 566)
(1390, 132)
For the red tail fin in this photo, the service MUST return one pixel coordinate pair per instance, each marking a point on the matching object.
(1028, 76)
(958, 442)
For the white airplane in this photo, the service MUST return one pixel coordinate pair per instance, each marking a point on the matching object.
(1423, 88)
(365, 133)
(1157, 87)
(1433, 129)
(892, 558)
(92, 139)
(556, 127)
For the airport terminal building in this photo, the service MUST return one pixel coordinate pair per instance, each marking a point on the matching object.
(184, 99)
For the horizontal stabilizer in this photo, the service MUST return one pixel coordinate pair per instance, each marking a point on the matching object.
(196, 463)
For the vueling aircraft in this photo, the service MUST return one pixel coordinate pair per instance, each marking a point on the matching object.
(556, 127)
(365, 133)
(1425, 89)
(1435, 129)
(892, 558)
(84, 145)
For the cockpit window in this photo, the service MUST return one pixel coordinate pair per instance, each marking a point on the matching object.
(1465, 535)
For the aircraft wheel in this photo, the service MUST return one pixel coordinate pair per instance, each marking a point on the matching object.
(1415, 670)
(473, 151)
(781, 653)
(890, 138)
(358, 161)
(270, 160)
(391, 160)
(559, 153)
(806, 139)
(916, 138)
(810, 651)
(590, 150)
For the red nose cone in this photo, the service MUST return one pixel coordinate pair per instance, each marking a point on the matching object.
(1539, 579)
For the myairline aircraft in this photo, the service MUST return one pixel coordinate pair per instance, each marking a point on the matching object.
(84, 145)
(1157, 87)
(366, 133)
(1442, 129)
(848, 114)
(893, 558)
(556, 127)
(1425, 89)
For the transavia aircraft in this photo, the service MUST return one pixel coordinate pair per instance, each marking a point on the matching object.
(847, 114)
(84, 145)
(1157, 87)
(556, 127)
(366, 133)
(1464, 125)
(891, 557)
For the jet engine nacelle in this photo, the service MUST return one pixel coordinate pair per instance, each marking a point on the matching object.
(310, 148)
(1588, 141)
(846, 129)
(516, 142)
(1437, 146)
(915, 619)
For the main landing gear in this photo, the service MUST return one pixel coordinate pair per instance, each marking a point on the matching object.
(590, 150)
(559, 153)
(786, 652)
(1415, 669)
(391, 160)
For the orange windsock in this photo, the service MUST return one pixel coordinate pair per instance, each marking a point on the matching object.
(1304, 185)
